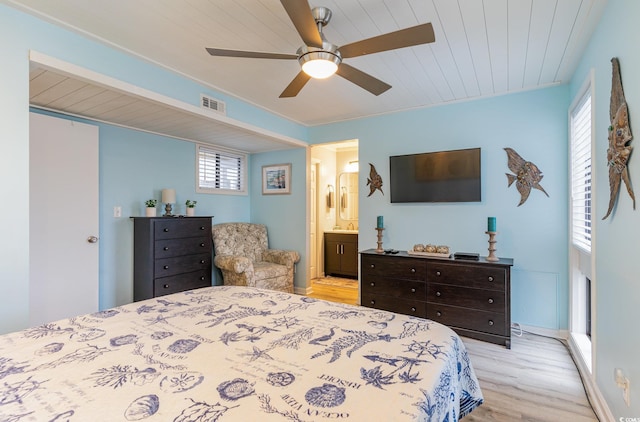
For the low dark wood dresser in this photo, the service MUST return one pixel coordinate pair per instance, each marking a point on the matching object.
(170, 255)
(471, 297)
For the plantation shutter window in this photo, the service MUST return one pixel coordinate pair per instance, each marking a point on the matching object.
(220, 170)
(581, 173)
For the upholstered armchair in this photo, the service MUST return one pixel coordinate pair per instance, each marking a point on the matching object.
(242, 253)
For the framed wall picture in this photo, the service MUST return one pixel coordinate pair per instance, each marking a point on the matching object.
(276, 179)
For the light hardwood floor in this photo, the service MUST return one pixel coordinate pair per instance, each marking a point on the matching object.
(535, 380)
(334, 293)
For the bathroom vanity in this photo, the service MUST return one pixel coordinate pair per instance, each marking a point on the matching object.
(341, 253)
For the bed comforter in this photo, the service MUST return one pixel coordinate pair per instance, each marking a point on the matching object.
(232, 353)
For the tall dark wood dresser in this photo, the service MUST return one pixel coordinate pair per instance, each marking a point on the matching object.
(170, 254)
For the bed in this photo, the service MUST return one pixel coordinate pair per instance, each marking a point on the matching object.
(229, 353)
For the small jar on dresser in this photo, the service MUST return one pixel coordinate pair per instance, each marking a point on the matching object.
(170, 255)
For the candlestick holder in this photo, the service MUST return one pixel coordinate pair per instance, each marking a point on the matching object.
(492, 247)
(379, 249)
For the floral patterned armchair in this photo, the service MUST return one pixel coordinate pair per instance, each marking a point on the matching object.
(242, 253)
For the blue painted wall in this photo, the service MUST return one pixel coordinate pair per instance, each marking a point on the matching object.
(534, 234)
(616, 334)
(284, 215)
(14, 175)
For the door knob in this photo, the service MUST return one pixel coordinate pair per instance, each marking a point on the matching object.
(92, 239)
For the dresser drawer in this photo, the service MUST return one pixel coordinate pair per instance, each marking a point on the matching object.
(182, 246)
(478, 276)
(472, 319)
(387, 303)
(188, 281)
(172, 228)
(171, 266)
(481, 299)
(394, 267)
(404, 289)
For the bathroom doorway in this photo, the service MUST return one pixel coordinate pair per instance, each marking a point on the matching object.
(334, 209)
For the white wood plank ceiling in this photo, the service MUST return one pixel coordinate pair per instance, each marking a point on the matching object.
(482, 48)
(75, 95)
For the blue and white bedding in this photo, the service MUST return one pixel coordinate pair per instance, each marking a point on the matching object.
(232, 353)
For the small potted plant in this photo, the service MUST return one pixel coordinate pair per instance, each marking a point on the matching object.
(151, 207)
(191, 205)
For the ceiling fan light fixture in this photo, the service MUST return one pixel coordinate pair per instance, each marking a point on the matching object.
(319, 64)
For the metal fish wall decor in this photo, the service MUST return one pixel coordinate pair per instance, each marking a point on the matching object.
(527, 175)
(374, 181)
(620, 135)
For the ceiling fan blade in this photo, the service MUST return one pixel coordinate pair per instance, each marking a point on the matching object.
(249, 54)
(296, 85)
(416, 35)
(363, 80)
(300, 14)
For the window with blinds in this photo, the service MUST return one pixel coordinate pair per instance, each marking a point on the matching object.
(581, 173)
(220, 170)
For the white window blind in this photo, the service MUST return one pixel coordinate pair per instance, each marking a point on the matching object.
(220, 170)
(581, 173)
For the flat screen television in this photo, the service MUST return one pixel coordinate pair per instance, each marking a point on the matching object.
(443, 176)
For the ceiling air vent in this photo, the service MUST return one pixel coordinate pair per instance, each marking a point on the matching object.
(212, 104)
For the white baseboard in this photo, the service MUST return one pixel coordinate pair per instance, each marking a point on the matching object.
(546, 332)
(304, 291)
(598, 403)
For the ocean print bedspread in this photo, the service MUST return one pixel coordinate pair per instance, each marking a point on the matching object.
(232, 353)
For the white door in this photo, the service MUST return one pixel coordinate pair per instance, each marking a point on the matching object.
(63, 218)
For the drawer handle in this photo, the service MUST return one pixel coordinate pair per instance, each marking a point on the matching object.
(413, 290)
(438, 313)
(490, 322)
(490, 300)
(166, 286)
(373, 302)
(490, 278)
(202, 245)
(438, 294)
(166, 267)
(372, 266)
(438, 273)
(413, 270)
(372, 284)
(202, 227)
(202, 261)
(166, 230)
(413, 309)
(202, 278)
(166, 248)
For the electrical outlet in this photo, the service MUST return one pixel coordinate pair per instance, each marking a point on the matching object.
(117, 211)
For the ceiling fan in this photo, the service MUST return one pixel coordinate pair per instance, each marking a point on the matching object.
(320, 59)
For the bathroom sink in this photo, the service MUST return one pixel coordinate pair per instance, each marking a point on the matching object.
(341, 231)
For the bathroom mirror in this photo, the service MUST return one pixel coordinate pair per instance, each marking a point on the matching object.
(347, 196)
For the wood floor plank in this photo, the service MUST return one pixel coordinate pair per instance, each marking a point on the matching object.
(535, 381)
